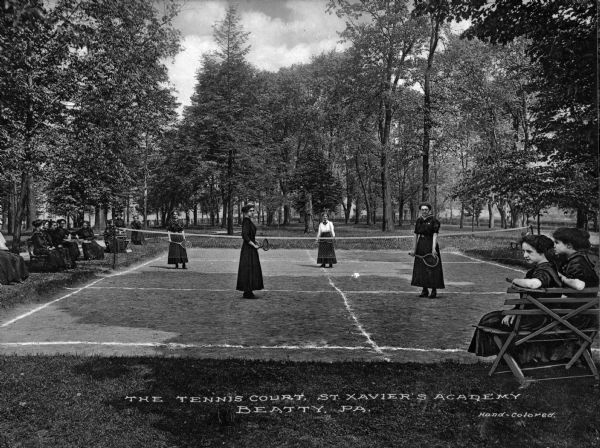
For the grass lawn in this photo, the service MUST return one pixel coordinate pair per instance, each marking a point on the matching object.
(69, 401)
(41, 285)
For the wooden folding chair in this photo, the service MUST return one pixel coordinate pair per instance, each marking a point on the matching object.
(560, 312)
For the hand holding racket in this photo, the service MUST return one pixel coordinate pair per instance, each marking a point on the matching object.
(264, 245)
(183, 243)
(431, 260)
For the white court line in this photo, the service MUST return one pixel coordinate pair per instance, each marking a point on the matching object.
(317, 291)
(246, 347)
(89, 285)
(173, 345)
(487, 262)
(371, 342)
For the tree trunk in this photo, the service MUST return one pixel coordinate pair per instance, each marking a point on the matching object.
(581, 219)
(387, 223)
(21, 204)
(491, 214)
(31, 205)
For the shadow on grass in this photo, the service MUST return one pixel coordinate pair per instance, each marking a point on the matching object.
(274, 404)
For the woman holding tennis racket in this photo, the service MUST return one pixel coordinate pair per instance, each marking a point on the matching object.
(249, 271)
(325, 236)
(427, 269)
(177, 251)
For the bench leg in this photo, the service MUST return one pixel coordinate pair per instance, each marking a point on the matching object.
(578, 353)
(502, 349)
(591, 365)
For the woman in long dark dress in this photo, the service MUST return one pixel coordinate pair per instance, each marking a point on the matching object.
(12, 266)
(426, 232)
(65, 235)
(137, 238)
(91, 249)
(249, 271)
(177, 253)
(325, 235)
(55, 240)
(536, 249)
(42, 245)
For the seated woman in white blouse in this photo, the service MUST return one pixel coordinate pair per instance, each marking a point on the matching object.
(325, 237)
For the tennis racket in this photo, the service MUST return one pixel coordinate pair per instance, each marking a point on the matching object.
(264, 245)
(431, 260)
(183, 243)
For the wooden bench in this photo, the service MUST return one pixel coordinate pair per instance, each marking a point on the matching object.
(560, 312)
(36, 260)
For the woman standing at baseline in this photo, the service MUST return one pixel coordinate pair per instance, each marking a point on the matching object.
(177, 253)
(249, 271)
(425, 242)
(325, 235)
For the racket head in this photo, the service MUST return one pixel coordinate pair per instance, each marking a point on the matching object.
(431, 260)
(265, 244)
(187, 244)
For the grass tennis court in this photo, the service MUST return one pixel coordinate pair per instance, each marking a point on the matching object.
(305, 312)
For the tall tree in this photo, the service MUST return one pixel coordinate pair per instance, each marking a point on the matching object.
(224, 109)
(384, 36)
(562, 40)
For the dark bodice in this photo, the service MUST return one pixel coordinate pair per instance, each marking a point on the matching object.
(580, 266)
(427, 226)
(248, 231)
(86, 233)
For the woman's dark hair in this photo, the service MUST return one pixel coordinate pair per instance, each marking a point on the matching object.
(247, 207)
(426, 204)
(58, 221)
(37, 223)
(579, 239)
(541, 243)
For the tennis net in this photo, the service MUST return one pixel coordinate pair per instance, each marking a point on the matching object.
(501, 240)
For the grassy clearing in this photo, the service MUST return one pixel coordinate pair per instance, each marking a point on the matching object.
(67, 401)
(40, 285)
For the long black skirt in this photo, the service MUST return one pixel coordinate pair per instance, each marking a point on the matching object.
(56, 260)
(423, 275)
(177, 253)
(483, 344)
(92, 251)
(12, 268)
(249, 271)
(73, 248)
(138, 238)
(326, 254)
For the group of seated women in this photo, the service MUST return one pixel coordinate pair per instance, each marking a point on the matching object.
(562, 262)
(12, 266)
(61, 246)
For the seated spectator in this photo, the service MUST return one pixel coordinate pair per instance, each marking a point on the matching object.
(91, 249)
(71, 246)
(42, 245)
(577, 270)
(137, 238)
(12, 266)
(536, 250)
(56, 238)
(119, 222)
(113, 236)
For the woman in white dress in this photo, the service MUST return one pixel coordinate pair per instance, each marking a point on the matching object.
(325, 237)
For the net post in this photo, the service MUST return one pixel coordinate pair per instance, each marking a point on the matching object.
(114, 248)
